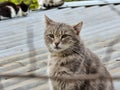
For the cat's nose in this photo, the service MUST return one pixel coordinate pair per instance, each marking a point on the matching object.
(56, 43)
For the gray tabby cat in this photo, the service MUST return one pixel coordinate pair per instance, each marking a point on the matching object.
(69, 57)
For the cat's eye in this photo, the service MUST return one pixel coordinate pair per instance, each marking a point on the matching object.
(51, 35)
(64, 36)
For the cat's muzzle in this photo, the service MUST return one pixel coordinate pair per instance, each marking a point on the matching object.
(57, 48)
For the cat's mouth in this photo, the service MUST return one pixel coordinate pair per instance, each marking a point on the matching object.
(57, 48)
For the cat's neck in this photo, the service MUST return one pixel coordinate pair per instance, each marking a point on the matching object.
(77, 49)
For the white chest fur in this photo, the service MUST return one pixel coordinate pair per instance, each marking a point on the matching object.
(48, 71)
(19, 14)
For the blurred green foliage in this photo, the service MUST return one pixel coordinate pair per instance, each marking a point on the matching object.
(34, 3)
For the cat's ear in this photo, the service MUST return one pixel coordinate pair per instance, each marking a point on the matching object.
(78, 27)
(48, 20)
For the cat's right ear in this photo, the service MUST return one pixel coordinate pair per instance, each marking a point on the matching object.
(48, 20)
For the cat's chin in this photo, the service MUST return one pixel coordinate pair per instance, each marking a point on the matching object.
(57, 49)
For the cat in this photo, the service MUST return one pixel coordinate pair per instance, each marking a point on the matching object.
(10, 10)
(47, 4)
(70, 57)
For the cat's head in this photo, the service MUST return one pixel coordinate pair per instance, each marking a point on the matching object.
(25, 8)
(61, 36)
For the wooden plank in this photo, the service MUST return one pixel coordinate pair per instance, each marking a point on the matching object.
(18, 57)
(41, 87)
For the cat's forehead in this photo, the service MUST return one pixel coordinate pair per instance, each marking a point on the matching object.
(60, 28)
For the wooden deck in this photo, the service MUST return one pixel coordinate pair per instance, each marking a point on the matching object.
(22, 48)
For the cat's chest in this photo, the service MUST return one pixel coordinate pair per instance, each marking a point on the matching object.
(53, 62)
(63, 65)
(55, 65)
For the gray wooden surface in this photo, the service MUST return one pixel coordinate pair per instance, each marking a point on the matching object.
(22, 48)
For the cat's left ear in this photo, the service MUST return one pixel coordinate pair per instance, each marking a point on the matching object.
(78, 27)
